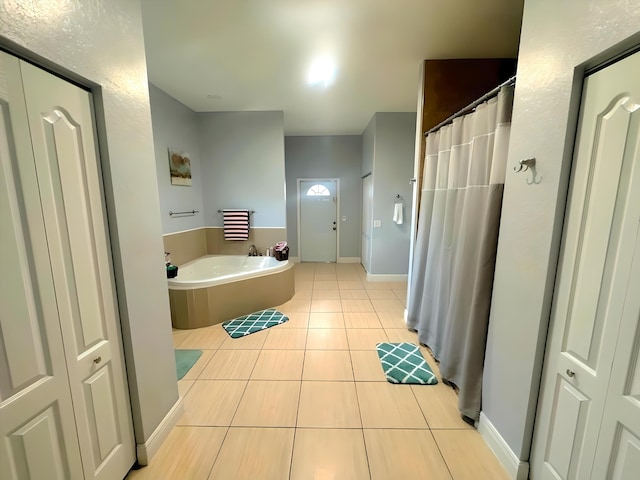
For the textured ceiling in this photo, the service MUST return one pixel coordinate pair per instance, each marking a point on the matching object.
(250, 55)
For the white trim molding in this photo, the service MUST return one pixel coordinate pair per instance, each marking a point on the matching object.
(383, 277)
(349, 260)
(145, 451)
(516, 468)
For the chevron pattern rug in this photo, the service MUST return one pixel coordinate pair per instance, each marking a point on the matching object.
(254, 322)
(403, 363)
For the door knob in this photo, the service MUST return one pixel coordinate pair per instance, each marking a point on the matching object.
(571, 373)
(97, 360)
(334, 228)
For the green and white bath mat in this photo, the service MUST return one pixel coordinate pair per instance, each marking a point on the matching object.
(403, 363)
(254, 322)
(185, 359)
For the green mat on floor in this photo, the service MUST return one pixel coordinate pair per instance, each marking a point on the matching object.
(254, 322)
(185, 359)
(403, 363)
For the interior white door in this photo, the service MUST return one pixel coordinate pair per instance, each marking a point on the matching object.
(36, 411)
(63, 188)
(318, 221)
(595, 315)
(367, 220)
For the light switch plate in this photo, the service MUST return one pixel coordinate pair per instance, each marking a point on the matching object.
(377, 224)
(344, 218)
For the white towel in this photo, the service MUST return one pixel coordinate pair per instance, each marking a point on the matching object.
(397, 213)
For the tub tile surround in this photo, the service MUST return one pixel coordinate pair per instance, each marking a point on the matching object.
(191, 244)
(322, 396)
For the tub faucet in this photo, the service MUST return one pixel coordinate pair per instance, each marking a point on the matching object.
(253, 251)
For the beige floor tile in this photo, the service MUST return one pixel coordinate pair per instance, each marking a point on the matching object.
(381, 295)
(385, 405)
(329, 453)
(325, 285)
(326, 306)
(353, 284)
(405, 454)
(323, 268)
(361, 320)
(303, 285)
(376, 285)
(296, 320)
(279, 365)
(326, 295)
(188, 452)
(326, 320)
(468, 456)
(365, 338)
(179, 336)
(327, 339)
(325, 277)
(439, 403)
(398, 286)
(357, 306)
(354, 295)
(184, 386)
(348, 276)
(254, 453)
(285, 339)
(209, 338)
(212, 402)
(393, 306)
(195, 371)
(230, 365)
(253, 341)
(303, 305)
(267, 403)
(327, 365)
(398, 335)
(392, 319)
(401, 295)
(328, 405)
(366, 366)
(302, 295)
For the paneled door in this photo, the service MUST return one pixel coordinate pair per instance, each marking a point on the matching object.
(588, 422)
(64, 410)
(318, 221)
(367, 221)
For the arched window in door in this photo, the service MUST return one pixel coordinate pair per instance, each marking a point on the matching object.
(318, 191)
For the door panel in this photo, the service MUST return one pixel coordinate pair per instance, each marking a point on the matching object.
(318, 222)
(601, 222)
(62, 130)
(367, 221)
(36, 412)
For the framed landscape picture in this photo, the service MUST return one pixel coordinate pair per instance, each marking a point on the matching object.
(180, 168)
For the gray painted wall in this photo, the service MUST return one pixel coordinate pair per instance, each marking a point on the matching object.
(327, 157)
(559, 39)
(100, 44)
(176, 126)
(242, 159)
(393, 159)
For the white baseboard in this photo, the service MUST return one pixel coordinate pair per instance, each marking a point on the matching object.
(382, 277)
(145, 451)
(516, 468)
(349, 260)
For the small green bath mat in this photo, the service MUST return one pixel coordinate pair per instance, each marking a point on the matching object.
(254, 322)
(403, 363)
(185, 359)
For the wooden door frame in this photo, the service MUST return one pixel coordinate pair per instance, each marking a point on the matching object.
(318, 179)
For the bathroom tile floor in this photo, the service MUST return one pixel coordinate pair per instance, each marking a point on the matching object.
(308, 399)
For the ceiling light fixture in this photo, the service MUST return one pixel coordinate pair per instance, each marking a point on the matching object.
(322, 72)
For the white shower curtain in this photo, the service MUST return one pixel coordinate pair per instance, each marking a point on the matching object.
(453, 263)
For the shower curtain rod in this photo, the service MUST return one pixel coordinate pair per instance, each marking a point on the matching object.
(471, 106)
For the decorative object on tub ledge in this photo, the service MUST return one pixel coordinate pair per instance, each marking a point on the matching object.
(185, 359)
(172, 271)
(403, 363)
(179, 168)
(254, 322)
(236, 223)
(281, 251)
(398, 213)
(190, 212)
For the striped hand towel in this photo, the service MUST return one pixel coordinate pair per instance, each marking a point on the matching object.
(236, 224)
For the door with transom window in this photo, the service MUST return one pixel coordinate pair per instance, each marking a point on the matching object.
(317, 207)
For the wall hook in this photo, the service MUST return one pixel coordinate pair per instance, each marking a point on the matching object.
(524, 165)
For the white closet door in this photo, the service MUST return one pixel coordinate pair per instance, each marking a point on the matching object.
(39, 439)
(592, 301)
(69, 178)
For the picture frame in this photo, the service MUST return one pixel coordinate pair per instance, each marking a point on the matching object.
(179, 168)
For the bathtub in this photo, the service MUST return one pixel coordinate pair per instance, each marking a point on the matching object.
(216, 288)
